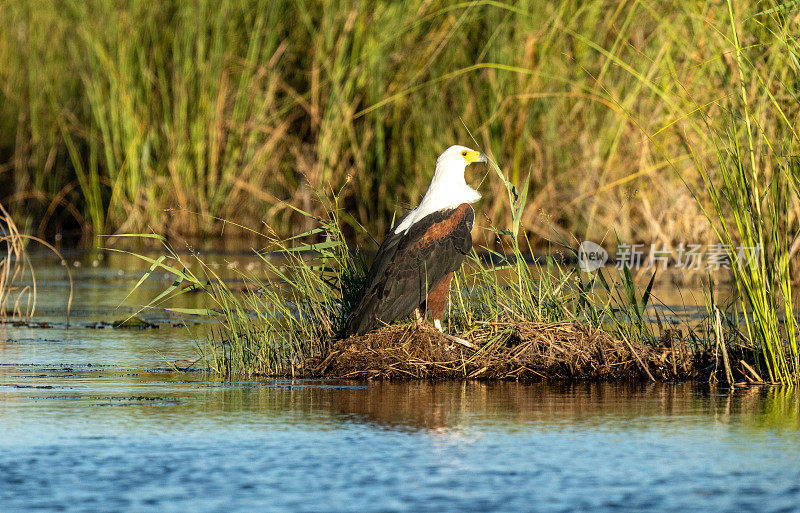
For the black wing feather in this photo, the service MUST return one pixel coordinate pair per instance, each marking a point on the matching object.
(406, 269)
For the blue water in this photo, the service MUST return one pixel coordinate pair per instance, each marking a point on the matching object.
(93, 420)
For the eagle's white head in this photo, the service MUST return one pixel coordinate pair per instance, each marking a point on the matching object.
(448, 189)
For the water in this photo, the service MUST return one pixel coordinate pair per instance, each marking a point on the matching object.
(94, 420)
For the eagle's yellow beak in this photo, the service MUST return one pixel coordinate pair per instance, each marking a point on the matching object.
(474, 156)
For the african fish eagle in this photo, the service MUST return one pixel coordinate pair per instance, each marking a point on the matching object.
(415, 262)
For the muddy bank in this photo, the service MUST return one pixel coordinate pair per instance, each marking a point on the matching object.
(525, 351)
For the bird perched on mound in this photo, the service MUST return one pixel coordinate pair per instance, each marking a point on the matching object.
(414, 265)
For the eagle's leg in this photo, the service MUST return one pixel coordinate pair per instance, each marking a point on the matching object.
(437, 300)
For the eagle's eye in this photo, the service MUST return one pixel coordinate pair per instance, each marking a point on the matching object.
(463, 153)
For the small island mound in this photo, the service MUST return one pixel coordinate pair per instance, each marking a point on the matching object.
(522, 351)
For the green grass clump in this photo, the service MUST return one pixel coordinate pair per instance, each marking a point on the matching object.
(290, 311)
(754, 192)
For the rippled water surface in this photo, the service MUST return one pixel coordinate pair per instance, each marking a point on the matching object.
(93, 420)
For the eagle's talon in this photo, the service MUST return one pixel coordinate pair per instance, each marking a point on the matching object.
(419, 320)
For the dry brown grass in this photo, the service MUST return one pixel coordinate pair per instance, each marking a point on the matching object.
(16, 301)
(524, 351)
(17, 276)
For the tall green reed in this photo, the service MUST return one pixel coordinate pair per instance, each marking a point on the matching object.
(230, 109)
(753, 189)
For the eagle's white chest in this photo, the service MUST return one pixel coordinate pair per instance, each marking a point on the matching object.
(448, 190)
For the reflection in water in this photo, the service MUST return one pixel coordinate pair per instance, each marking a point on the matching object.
(139, 440)
(200, 402)
(452, 404)
(91, 421)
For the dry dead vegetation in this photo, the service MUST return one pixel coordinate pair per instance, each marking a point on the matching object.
(17, 276)
(526, 351)
(16, 301)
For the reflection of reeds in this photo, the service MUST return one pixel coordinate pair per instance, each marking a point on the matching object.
(17, 299)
